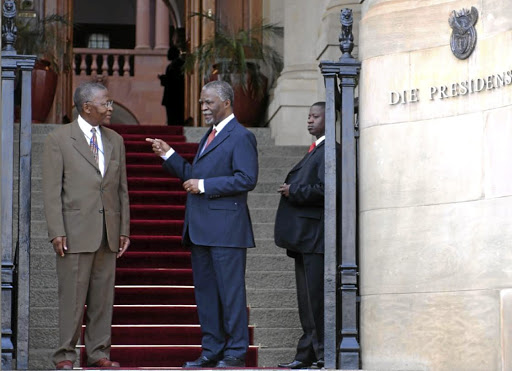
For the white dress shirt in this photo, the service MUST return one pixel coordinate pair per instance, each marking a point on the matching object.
(86, 129)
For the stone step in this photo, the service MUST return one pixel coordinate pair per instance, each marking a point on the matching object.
(273, 174)
(275, 317)
(263, 200)
(264, 280)
(40, 245)
(266, 246)
(263, 230)
(38, 229)
(269, 262)
(263, 215)
(44, 298)
(278, 161)
(272, 298)
(267, 187)
(269, 357)
(43, 259)
(43, 279)
(277, 337)
(280, 151)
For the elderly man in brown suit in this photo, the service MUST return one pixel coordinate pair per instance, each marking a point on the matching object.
(87, 212)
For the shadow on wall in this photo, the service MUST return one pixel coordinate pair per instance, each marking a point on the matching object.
(120, 115)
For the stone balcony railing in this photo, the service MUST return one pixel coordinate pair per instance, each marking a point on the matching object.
(110, 62)
(131, 76)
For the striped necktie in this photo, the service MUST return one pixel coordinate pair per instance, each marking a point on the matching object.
(93, 144)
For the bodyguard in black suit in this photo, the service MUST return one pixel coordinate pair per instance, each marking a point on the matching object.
(299, 228)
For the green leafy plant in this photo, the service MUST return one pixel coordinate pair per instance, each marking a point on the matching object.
(44, 38)
(237, 53)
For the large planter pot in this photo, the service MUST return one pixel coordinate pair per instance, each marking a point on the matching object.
(250, 105)
(44, 84)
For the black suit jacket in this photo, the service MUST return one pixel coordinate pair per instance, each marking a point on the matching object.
(299, 223)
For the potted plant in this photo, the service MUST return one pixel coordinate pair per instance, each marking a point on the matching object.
(236, 57)
(44, 39)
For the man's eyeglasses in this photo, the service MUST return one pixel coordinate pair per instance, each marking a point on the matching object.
(107, 104)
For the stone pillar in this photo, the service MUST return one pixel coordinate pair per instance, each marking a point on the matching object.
(435, 191)
(296, 88)
(161, 26)
(305, 44)
(143, 24)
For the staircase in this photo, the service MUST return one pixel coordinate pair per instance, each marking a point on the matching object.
(155, 321)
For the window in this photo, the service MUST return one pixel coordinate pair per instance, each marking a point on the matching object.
(98, 41)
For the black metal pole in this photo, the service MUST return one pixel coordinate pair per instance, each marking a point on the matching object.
(15, 266)
(330, 265)
(344, 256)
(348, 270)
(6, 202)
(24, 215)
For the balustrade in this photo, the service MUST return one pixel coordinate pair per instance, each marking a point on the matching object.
(107, 62)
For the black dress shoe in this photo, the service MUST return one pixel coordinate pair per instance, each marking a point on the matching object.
(200, 363)
(230, 361)
(319, 364)
(295, 365)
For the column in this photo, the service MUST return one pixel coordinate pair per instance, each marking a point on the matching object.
(435, 191)
(161, 26)
(142, 25)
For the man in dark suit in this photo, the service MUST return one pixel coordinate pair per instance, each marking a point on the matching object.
(299, 228)
(217, 225)
(88, 216)
(174, 87)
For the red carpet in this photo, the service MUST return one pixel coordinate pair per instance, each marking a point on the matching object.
(155, 320)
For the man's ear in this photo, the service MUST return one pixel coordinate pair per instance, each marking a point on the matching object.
(86, 108)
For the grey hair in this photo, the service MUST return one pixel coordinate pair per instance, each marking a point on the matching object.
(85, 93)
(223, 90)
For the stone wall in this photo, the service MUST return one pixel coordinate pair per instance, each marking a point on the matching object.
(435, 189)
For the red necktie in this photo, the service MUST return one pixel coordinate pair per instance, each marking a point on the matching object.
(94, 145)
(210, 138)
(312, 147)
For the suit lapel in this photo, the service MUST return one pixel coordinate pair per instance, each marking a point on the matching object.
(201, 145)
(81, 145)
(219, 138)
(306, 158)
(107, 148)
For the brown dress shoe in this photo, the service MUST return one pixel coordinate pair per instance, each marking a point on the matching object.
(64, 365)
(106, 363)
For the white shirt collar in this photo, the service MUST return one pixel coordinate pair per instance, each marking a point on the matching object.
(223, 123)
(320, 140)
(86, 127)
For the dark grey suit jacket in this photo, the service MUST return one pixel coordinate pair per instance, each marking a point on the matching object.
(299, 225)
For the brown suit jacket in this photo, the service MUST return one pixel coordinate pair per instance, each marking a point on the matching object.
(75, 193)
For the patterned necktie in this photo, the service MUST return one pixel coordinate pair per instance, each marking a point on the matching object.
(312, 147)
(94, 145)
(210, 138)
